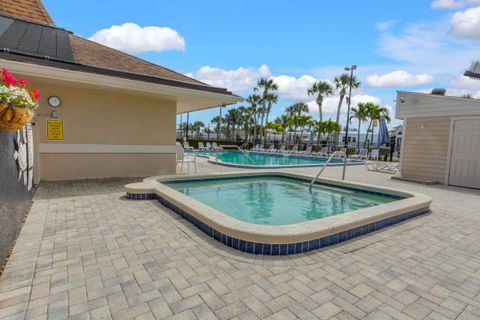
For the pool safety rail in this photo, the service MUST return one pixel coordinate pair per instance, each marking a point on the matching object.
(336, 154)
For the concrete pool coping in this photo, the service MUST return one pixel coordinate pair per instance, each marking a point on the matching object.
(215, 160)
(334, 228)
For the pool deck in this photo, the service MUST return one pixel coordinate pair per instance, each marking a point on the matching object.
(85, 252)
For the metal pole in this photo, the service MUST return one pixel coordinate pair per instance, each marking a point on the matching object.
(186, 133)
(180, 127)
(353, 67)
(219, 122)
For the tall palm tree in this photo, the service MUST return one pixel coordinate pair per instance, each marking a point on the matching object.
(296, 108)
(322, 89)
(361, 114)
(234, 116)
(254, 100)
(332, 127)
(283, 122)
(266, 87)
(217, 121)
(375, 112)
(197, 127)
(342, 83)
(271, 99)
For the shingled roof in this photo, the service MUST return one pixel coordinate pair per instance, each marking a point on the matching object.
(29, 10)
(30, 36)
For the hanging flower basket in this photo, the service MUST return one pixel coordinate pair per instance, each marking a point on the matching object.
(17, 103)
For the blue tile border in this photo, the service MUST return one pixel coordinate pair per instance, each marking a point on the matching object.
(275, 249)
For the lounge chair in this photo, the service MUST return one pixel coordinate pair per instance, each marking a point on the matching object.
(294, 150)
(322, 153)
(201, 146)
(281, 149)
(216, 147)
(185, 159)
(379, 166)
(307, 151)
(363, 154)
(340, 153)
(209, 146)
(270, 149)
(187, 147)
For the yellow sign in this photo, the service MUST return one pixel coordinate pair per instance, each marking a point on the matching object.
(54, 129)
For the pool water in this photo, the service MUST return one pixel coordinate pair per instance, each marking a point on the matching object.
(273, 200)
(266, 159)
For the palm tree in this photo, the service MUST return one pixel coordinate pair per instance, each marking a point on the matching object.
(304, 121)
(197, 126)
(266, 86)
(245, 118)
(271, 99)
(375, 112)
(254, 100)
(332, 127)
(322, 89)
(283, 122)
(218, 124)
(342, 83)
(361, 114)
(296, 108)
(234, 115)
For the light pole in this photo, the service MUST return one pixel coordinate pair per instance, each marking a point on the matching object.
(219, 123)
(351, 69)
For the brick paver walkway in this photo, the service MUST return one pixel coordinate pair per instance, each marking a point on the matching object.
(87, 253)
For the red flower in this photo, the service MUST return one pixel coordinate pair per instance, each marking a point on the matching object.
(8, 78)
(35, 94)
(22, 83)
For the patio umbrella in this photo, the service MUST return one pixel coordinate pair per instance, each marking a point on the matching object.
(383, 137)
(312, 138)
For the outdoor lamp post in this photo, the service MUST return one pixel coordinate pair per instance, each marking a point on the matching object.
(351, 69)
(186, 132)
(219, 122)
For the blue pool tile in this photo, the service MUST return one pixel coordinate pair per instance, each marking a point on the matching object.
(291, 248)
(333, 239)
(275, 249)
(325, 241)
(258, 248)
(235, 243)
(342, 236)
(305, 246)
(314, 244)
(250, 246)
(298, 247)
(283, 249)
(267, 249)
(229, 241)
(242, 245)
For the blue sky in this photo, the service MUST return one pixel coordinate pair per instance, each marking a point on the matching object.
(397, 45)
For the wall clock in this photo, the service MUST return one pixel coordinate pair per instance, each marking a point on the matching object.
(54, 101)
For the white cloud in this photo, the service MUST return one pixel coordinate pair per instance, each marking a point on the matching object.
(132, 38)
(294, 89)
(447, 4)
(398, 78)
(237, 80)
(466, 24)
(464, 85)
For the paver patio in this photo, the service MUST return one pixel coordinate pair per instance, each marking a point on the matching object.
(85, 252)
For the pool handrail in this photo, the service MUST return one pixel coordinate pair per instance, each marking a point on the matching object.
(237, 147)
(333, 155)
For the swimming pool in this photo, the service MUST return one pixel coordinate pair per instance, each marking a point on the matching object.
(276, 200)
(273, 212)
(236, 158)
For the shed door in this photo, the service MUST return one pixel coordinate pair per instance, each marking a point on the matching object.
(465, 154)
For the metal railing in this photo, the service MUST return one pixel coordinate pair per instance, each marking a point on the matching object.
(333, 155)
(243, 151)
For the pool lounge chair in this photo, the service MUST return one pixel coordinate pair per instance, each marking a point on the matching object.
(209, 146)
(281, 149)
(201, 146)
(293, 151)
(307, 151)
(270, 149)
(186, 146)
(322, 153)
(340, 153)
(216, 147)
(363, 154)
(185, 159)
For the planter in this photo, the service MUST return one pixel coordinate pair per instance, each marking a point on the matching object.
(14, 118)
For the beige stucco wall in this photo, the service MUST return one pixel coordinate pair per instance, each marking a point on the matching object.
(108, 117)
(425, 150)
